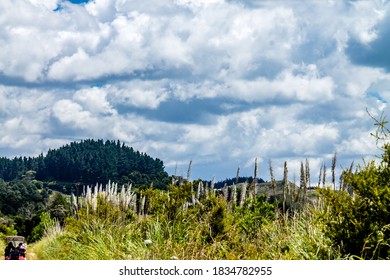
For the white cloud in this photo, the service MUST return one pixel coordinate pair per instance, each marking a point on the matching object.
(48, 4)
(94, 100)
(71, 113)
(267, 79)
(366, 15)
(104, 10)
(195, 4)
(138, 93)
(300, 87)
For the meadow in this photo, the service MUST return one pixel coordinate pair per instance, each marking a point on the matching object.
(277, 220)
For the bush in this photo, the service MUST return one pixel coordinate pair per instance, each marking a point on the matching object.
(38, 231)
(6, 231)
(254, 214)
(360, 223)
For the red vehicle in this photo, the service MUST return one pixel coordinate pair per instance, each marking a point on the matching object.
(16, 248)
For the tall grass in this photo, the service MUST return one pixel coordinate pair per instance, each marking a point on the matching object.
(192, 221)
(208, 230)
(282, 239)
(2, 245)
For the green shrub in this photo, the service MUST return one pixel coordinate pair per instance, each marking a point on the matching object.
(39, 230)
(218, 221)
(360, 223)
(7, 230)
(254, 214)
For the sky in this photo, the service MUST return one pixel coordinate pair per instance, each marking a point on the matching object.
(216, 82)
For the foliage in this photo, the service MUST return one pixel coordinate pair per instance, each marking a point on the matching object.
(6, 230)
(58, 207)
(175, 221)
(360, 223)
(25, 226)
(88, 162)
(21, 197)
(231, 181)
(38, 231)
(255, 213)
(218, 222)
(176, 228)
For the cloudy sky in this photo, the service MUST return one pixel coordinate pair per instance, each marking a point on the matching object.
(218, 82)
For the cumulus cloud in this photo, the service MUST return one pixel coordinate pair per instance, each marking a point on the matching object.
(138, 94)
(94, 100)
(306, 86)
(371, 48)
(219, 82)
(71, 113)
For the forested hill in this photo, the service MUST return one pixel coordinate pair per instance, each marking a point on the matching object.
(89, 162)
(231, 181)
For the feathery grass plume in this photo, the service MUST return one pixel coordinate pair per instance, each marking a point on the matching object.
(333, 171)
(73, 204)
(255, 170)
(144, 205)
(237, 174)
(307, 170)
(320, 175)
(81, 202)
(307, 181)
(234, 195)
(273, 182)
(133, 203)
(106, 193)
(243, 193)
(115, 194)
(88, 194)
(141, 211)
(285, 187)
(254, 184)
(212, 186)
(128, 198)
(203, 189)
(122, 198)
(303, 182)
(345, 186)
(94, 198)
(234, 188)
(99, 188)
(192, 194)
(225, 192)
(189, 170)
(87, 191)
(206, 190)
(198, 191)
(323, 174)
(296, 190)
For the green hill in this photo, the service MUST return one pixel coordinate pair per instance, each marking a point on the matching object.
(88, 162)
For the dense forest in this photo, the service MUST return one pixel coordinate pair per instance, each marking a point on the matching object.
(27, 183)
(89, 162)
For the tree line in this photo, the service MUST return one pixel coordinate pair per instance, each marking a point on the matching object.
(89, 162)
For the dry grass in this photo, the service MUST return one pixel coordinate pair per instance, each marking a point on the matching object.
(296, 237)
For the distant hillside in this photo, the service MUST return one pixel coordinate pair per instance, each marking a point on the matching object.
(89, 162)
(294, 194)
(231, 181)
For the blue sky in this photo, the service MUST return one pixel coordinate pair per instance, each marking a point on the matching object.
(217, 82)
